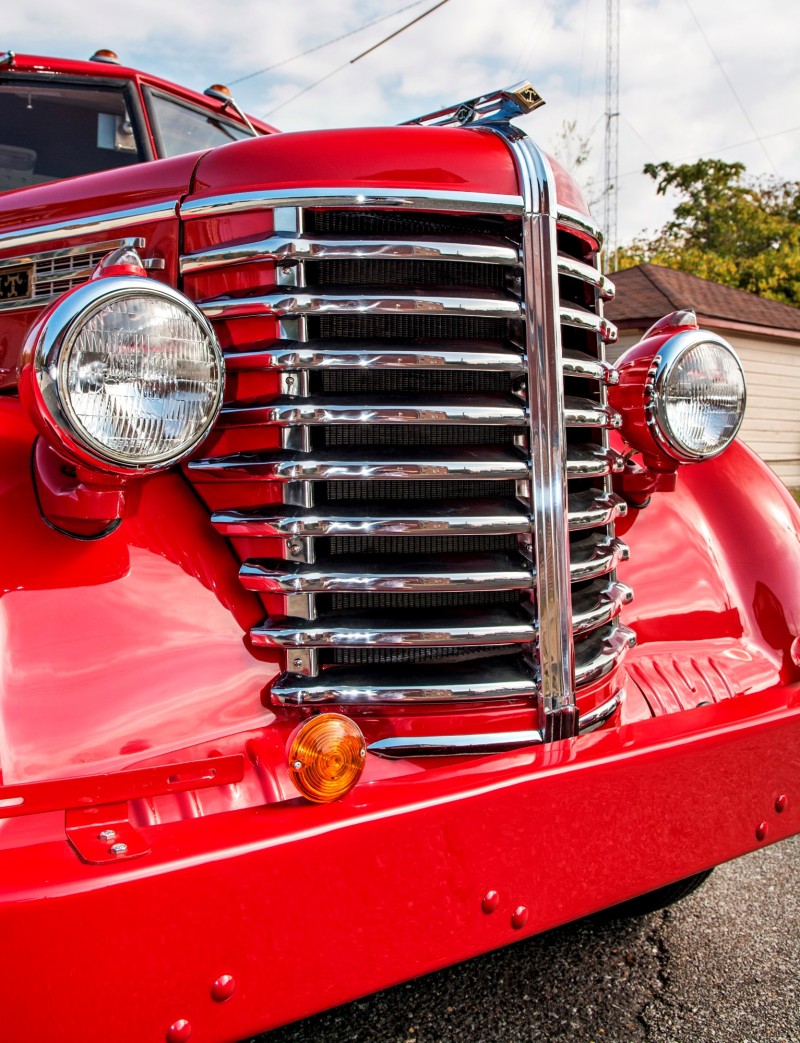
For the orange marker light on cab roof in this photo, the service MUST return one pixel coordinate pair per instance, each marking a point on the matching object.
(326, 757)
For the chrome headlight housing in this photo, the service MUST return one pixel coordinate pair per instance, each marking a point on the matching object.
(695, 396)
(127, 374)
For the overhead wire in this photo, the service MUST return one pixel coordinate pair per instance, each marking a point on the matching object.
(721, 148)
(732, 88)
(327, 43)
(344, 65)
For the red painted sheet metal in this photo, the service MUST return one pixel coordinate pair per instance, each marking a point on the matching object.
(305, 907)
(394, 157)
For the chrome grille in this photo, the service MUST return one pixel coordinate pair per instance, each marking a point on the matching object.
(404, 534)
(57, 271)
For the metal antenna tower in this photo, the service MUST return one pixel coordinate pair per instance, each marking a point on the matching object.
(611, 187)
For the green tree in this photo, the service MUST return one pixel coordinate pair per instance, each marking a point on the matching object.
(727, 226)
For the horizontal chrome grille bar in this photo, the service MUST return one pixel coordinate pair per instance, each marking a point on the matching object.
(364, 630)
(584, 412)
(289, 411)
(598, 604)
(305, 302)
(434, 684)
(355, 198)
(578, 364)
(592, 461)
(376, 519)
(577, 270)
(290, 249)
(595, 555)
(587, 320)
(387, 576)
(322, 355)
(586, 510)
(486, 462)
(580, 223)
(601, 651)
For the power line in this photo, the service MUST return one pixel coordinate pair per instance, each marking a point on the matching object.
(327, 43)
(344, 65)
(732, 88)
(397, 32)
(720, 148)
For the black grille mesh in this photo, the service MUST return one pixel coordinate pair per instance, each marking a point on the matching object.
(392, 224)
(435, 489)
(416, 546)
(423, 600)
(422, 381)
(417, 434)
(406, 274)
(410, 327)
(452, 653)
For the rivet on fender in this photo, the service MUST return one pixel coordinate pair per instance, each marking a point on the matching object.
(223, 988)
(490, 902)
(179, 1031)
(519, 917)
(761, 831)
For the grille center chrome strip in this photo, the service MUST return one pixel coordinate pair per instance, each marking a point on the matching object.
(557, 711)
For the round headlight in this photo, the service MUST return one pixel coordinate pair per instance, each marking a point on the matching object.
(129, 372)
(697, 396)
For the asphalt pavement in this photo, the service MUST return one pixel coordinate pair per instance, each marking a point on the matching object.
(722, 966)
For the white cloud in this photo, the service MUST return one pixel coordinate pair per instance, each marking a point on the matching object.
(675, 103)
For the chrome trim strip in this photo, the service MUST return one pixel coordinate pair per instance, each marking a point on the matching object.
(583, 412)
(291, 412)
(346, 198)
(578, 364)
(450, 745)
(287, 250)
(399, 684)
(557, 711)
(586, 273)
(340, 575)
(364, 631)
(87, 225)
(479, 516)
(578, 222)
(304, 302)
(314, 355)
(600, 714)
(586, 320)
(488, 462)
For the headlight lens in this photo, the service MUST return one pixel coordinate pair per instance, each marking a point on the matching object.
(698, 396)
(130, 371)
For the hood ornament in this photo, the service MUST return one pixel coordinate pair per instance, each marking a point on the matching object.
(499, 107)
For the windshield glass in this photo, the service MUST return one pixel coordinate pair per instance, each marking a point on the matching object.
(49, 132)
(181, 128)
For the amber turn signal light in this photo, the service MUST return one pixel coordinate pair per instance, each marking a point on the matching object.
(326, 757)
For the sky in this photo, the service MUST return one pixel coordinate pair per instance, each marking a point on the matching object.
(698, 78)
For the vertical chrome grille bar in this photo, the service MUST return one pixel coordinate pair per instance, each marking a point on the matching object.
(557, 709)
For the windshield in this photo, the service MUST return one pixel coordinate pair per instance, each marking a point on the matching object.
(49, 132)
(180, 127)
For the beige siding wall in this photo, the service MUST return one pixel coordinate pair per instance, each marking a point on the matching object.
(772, 419)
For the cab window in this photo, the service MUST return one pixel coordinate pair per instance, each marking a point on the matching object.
(180, 128)
(48, 132)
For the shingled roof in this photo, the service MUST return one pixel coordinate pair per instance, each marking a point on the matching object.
(648, 291)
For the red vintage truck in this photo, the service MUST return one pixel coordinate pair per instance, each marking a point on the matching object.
(358, 617)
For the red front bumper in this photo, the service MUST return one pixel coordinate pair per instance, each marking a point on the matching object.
(307, 907)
